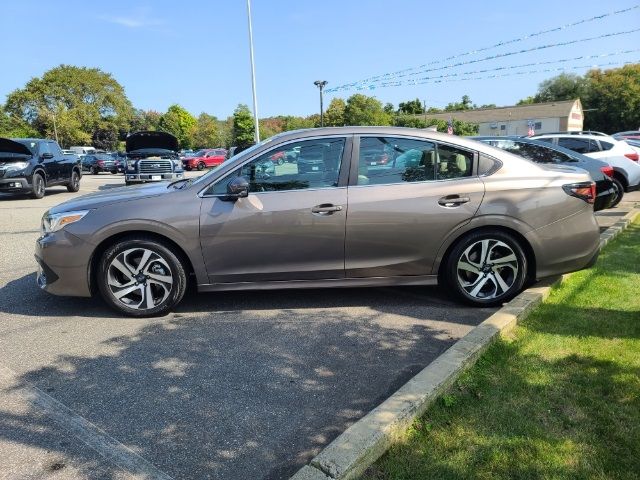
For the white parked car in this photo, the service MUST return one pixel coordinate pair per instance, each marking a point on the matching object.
(619, 154)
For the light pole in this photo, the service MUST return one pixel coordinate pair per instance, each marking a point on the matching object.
(321, 84)
(253, 76)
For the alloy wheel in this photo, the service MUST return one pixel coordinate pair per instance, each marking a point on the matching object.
(487, 269)
(39, 186)
(139, 278)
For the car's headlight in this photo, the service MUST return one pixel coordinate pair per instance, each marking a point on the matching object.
(16, 166)
(131, 163)
(52, 222)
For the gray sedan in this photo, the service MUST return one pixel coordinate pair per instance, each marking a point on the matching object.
(438, 209)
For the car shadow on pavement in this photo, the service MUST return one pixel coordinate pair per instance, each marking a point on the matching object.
(23, 297)
(238, 394)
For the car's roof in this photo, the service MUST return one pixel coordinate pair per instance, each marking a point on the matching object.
(607, 138)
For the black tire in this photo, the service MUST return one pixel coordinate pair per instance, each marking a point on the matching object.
(619, 192)
(38, 186)
(170, 259)
(201, 165)
(490, 292)
(74, 181)
(280, 161)
(94, 170)
(127, 183)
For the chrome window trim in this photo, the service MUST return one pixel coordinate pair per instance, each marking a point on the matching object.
(345, 137)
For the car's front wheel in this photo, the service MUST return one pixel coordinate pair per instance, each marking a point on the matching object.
(201, 165)
(141, 277)
(486, 268)
(37, 186)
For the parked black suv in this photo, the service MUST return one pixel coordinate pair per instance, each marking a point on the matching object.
(152, 157)
(29, 165)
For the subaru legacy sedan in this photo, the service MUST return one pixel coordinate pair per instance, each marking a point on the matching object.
(440, 209)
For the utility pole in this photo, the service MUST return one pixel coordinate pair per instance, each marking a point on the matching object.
(424, 108)
(55, 127)
(253, 76)
(321, 84)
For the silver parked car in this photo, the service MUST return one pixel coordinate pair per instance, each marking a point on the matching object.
(439, 209)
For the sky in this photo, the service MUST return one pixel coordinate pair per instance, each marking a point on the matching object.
(196, 53)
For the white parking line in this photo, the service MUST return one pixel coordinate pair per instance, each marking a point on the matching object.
(109, 448)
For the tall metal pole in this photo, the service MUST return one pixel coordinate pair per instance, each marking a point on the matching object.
(321, 84)
(253, 76)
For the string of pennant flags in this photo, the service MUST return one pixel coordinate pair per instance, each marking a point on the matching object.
(511, 67)
(362, 85)
(496, 45)
(487, 77)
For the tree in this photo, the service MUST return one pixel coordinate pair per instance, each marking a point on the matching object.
(11, 126)
(80, 99)
(363, 110)
(613, 99)
(465, 104)
(105, 137)
(334, 116)
(243, 127)
(145, 120)
(566, 86)
(180, 123)
(412, 107)
(410, 121)
(389, 108)
(527, 101)
(296, 123)
(206, 133)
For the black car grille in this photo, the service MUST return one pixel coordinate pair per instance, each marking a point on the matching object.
(155, 166)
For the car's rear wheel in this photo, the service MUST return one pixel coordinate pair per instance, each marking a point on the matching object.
(141, 277)
(94, 170)
(74, 182)
(37, 186)
(280, 161)
(201, 165)
(486, 268)
(619, 188)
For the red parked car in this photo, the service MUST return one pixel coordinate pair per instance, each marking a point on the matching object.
(206, 158)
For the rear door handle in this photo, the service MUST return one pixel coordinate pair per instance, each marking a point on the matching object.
(453, 200)
(326, 209)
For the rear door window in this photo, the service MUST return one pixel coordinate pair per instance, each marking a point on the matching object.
(580, 145)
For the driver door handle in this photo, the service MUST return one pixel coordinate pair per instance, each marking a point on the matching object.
(453, 200)
(326, 209)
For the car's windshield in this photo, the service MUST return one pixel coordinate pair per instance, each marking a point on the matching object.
(30, 144)
(199, 153)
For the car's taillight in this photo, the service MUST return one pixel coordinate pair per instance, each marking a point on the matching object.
(632, 156)
(584, 191)
(608, 170)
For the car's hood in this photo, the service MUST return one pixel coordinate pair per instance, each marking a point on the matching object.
(113, 196)
(151, 140)
(9, 146)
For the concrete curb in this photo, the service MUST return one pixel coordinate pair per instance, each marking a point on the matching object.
(349, 455)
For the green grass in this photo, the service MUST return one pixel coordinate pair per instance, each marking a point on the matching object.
(559, 398)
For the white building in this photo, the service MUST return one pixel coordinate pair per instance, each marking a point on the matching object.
(546, 117)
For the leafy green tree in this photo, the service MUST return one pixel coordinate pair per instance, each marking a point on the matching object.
(613, 99)
(14, 127)
(527, 101)
(206, 133)
(243, 127)
(180, 123)
(105, 137)
(363, 110)
(465, 104)
(145, 120)
(412, 107)
(334, 116)
(296, 123)
(566, 86)
(80, 100)
(410, 121)
(389, 108)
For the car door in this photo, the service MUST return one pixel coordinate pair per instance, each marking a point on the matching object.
(51, 165)
(400, 212)
(290, 227)
(64, 165)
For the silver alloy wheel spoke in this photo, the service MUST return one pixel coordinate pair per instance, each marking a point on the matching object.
(487, 269)
(139, 278)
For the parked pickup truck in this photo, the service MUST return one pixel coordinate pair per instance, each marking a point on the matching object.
(152, 157)
(30, 165)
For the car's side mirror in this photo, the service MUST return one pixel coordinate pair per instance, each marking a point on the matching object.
(46, 156)
(237, 188)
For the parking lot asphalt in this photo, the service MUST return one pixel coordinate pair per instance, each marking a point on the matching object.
(232, 385)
